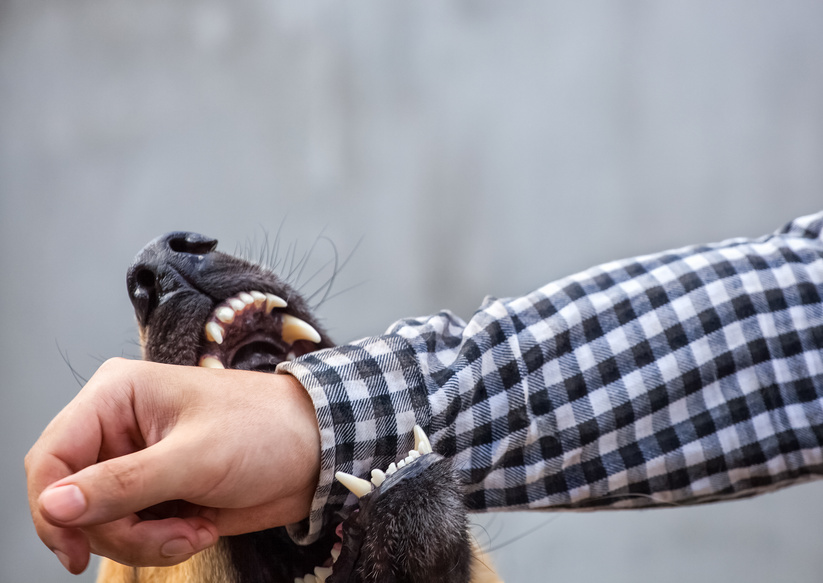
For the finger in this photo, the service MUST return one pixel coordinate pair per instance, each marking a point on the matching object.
(71, 547)
(122, 486)
(42, 468)
(159, 543)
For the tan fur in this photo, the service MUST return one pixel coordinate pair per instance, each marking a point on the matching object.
(212, 566)
(482, 569)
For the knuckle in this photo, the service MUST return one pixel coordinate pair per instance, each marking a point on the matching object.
(123, 478)
(112, 365)
(28, 461)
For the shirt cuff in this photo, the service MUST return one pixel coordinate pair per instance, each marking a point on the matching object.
(368, 396)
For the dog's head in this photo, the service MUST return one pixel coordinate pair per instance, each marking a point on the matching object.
(198, 306)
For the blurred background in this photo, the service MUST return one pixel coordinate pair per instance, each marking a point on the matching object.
(469, 147)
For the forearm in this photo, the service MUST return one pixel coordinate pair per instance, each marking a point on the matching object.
(681, 377)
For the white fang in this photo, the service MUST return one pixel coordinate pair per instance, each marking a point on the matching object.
(358, 486)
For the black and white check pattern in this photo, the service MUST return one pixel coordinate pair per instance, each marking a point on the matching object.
(682, 377)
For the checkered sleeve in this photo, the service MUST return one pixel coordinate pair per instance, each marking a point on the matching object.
(682, 377)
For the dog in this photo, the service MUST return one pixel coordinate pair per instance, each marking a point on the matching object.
(197, 306)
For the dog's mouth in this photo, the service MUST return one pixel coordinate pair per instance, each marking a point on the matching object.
(252, 331)
(344, 554)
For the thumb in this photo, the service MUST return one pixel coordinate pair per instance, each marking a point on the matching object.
(116, 488)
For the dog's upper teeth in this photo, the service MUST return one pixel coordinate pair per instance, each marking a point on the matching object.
(273, 301)
(246, 298)
(237, 304)
(214, 332)
(259, 298)
(225, 314)
(296, 329)
(421, 441)
(357, 486)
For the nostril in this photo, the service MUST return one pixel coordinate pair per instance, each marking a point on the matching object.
(142, 283)
(145, 280)
(192, 243)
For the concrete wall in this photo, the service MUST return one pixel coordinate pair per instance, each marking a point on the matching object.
(475, 148)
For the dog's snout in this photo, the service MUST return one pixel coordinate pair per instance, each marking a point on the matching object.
(162, 266)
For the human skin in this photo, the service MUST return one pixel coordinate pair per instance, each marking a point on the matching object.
(241, 448)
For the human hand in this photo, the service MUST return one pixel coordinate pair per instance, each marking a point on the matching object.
(242, 449)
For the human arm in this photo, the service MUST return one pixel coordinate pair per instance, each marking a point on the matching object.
(681, 377)
(243, 459)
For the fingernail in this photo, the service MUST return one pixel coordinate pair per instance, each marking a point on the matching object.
(64, 503)
(176, 547)
(204, 538)
(63, 558)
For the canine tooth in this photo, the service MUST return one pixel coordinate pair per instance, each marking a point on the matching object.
(391, 469)
(236, 304)
(259, 298)
(225, 315)
(335, 554)
(273, 301)
(296, 329)
(421, 442)
(322, 573)
(358, 486)
(210, 362)
(246, 298)
(214, 332)
(377, 477)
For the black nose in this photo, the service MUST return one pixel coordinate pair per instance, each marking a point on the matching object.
(163, 266)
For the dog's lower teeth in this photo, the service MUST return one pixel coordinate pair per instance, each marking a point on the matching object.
(421, 441)
(357, 486)
(377, 477)
(322, 573)
(211, 362)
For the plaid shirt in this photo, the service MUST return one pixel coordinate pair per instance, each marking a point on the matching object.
(682, 377)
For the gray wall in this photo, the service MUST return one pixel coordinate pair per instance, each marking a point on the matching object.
(475, 147)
